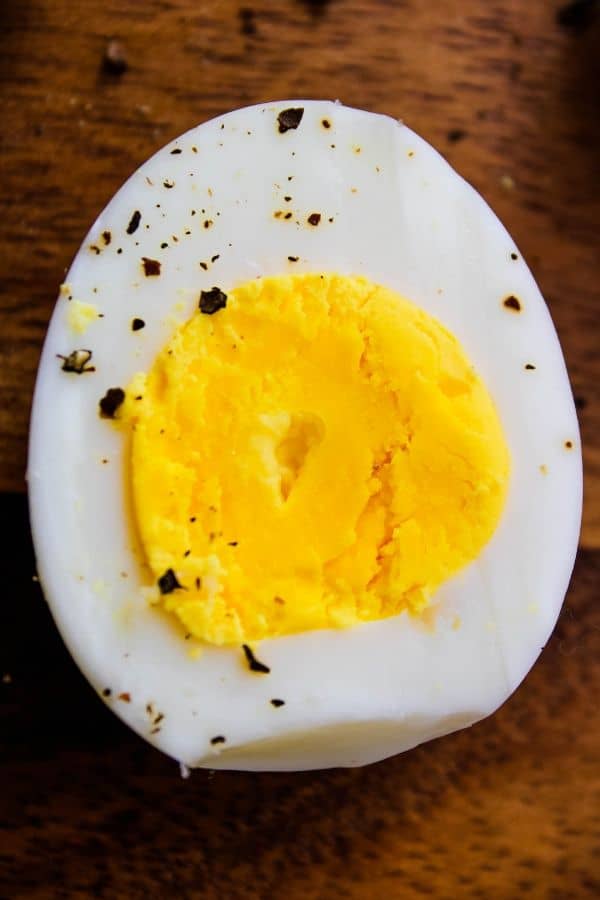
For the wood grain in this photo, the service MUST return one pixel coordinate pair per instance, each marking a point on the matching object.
(507, 809)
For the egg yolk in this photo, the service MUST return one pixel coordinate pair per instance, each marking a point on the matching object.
(314, 452)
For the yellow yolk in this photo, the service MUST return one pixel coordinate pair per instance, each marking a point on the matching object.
(80, 315)
(317, 453)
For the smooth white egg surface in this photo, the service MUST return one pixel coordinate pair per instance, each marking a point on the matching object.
(289, 188)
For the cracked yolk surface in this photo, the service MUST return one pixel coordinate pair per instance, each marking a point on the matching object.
(317, 453)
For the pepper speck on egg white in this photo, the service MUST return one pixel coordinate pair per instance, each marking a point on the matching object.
(304, 471)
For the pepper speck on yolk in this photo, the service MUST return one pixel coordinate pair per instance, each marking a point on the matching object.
(317, 453)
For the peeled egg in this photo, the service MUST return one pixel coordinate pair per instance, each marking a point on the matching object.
(302, 237)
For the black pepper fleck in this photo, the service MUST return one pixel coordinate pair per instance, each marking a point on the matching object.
(168, 582)
(114, 61)
(529, 366)
(293, 258)
(217, 739)
(137, 324)
(175, 151)
(110, 403)
(106, 692)
(212, 301)
(168, 184)
(314, 218)
(253, 663)
(151, 267)
(325, 123)
(277, 703)
(134, 222)
(106, 237)
(77, 362)
(456, 134)
(289, 119)
(513, 303)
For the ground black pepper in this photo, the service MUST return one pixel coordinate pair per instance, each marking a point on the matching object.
(212, 301)
(513, 303)
(289, 119)
(114, 61)
(168, 582)
(111, 401)
(253, 663)
(77, 362)
(151, 267)
(134, 222)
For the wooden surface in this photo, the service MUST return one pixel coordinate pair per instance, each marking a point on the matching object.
(507, 90)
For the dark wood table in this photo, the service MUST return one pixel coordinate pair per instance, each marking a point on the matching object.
(507, 90)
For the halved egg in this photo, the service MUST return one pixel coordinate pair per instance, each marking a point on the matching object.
(304, 472)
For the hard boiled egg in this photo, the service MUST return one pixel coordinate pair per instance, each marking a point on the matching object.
(304, 472)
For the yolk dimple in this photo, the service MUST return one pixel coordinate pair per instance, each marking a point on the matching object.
(317, 453)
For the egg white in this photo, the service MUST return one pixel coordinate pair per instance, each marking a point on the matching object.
(401, 217)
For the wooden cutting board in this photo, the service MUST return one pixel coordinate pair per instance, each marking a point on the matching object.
(507, 90)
